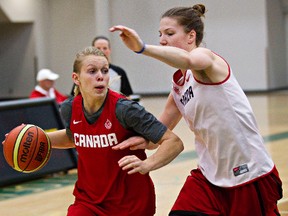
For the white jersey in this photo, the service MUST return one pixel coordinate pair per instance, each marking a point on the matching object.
(230, 148)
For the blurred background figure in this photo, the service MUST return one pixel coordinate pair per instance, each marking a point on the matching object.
(45, 88)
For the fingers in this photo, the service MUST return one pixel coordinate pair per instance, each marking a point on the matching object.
(131, 163)
(4, 139)
(118, 28)
(123, 145)
(133, 143)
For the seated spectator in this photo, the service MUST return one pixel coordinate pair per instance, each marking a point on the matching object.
(45, 88)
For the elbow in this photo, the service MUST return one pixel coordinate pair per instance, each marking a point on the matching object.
(178, 145)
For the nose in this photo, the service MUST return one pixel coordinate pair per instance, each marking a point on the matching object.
(99, 76)
(162, 41)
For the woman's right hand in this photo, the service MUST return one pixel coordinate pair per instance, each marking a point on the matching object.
(129, 37)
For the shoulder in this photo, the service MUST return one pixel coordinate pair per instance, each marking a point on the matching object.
(133, 116)
(125, 104)
(127, 109)
(202, 51)
(67, 104)
(66, 110)
(116, 95)
(35, 93)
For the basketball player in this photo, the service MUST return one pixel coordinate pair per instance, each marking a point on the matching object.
(97, 119)
(235, 175)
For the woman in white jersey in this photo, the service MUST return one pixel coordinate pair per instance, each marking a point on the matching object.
(235, 175)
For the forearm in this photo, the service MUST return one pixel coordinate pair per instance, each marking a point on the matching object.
(60, 140)
(168, 150)
(152, 146)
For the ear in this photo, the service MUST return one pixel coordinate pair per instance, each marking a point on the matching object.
(191, 36)
(75, 78)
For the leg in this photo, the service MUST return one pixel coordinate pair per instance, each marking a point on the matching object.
(197, 197)
(77, 209)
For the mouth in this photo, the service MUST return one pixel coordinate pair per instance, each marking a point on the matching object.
(100, 89)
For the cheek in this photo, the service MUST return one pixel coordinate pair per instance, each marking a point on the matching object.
(180, 43)
(84, 80)
(107, 78)
(176, 43)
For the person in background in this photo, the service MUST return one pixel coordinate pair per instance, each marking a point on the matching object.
(235, 173)
(97, 119)
(45, 88)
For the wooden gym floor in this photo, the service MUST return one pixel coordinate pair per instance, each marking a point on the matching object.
(51, 196)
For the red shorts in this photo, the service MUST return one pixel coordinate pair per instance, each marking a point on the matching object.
(138, 199)
(199, 197)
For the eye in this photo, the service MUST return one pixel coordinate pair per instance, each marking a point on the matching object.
(170, 33)
(91, 71)
(105, 70)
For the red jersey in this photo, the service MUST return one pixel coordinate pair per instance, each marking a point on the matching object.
(102, 185)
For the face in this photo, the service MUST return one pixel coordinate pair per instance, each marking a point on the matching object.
(93, 78)
(46, 84)
(103, 45)
(173, 34)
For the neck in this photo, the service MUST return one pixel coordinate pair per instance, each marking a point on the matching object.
(92, 105)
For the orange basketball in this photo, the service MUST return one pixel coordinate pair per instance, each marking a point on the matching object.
(27, 148)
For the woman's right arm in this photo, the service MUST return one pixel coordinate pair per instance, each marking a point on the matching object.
(60, 140)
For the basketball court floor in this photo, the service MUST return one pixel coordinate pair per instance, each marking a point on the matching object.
(51, 196)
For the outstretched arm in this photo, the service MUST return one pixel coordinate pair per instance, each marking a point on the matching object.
(198, 59)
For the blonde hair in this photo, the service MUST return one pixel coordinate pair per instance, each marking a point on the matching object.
(79, 59)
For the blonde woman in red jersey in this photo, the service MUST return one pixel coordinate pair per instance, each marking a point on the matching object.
(98, 119)
(235, 174)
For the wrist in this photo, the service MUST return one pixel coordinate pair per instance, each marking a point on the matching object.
(142, 50)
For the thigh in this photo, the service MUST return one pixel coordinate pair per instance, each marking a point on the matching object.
(197, 197)
(77, 209)
(257, 198)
